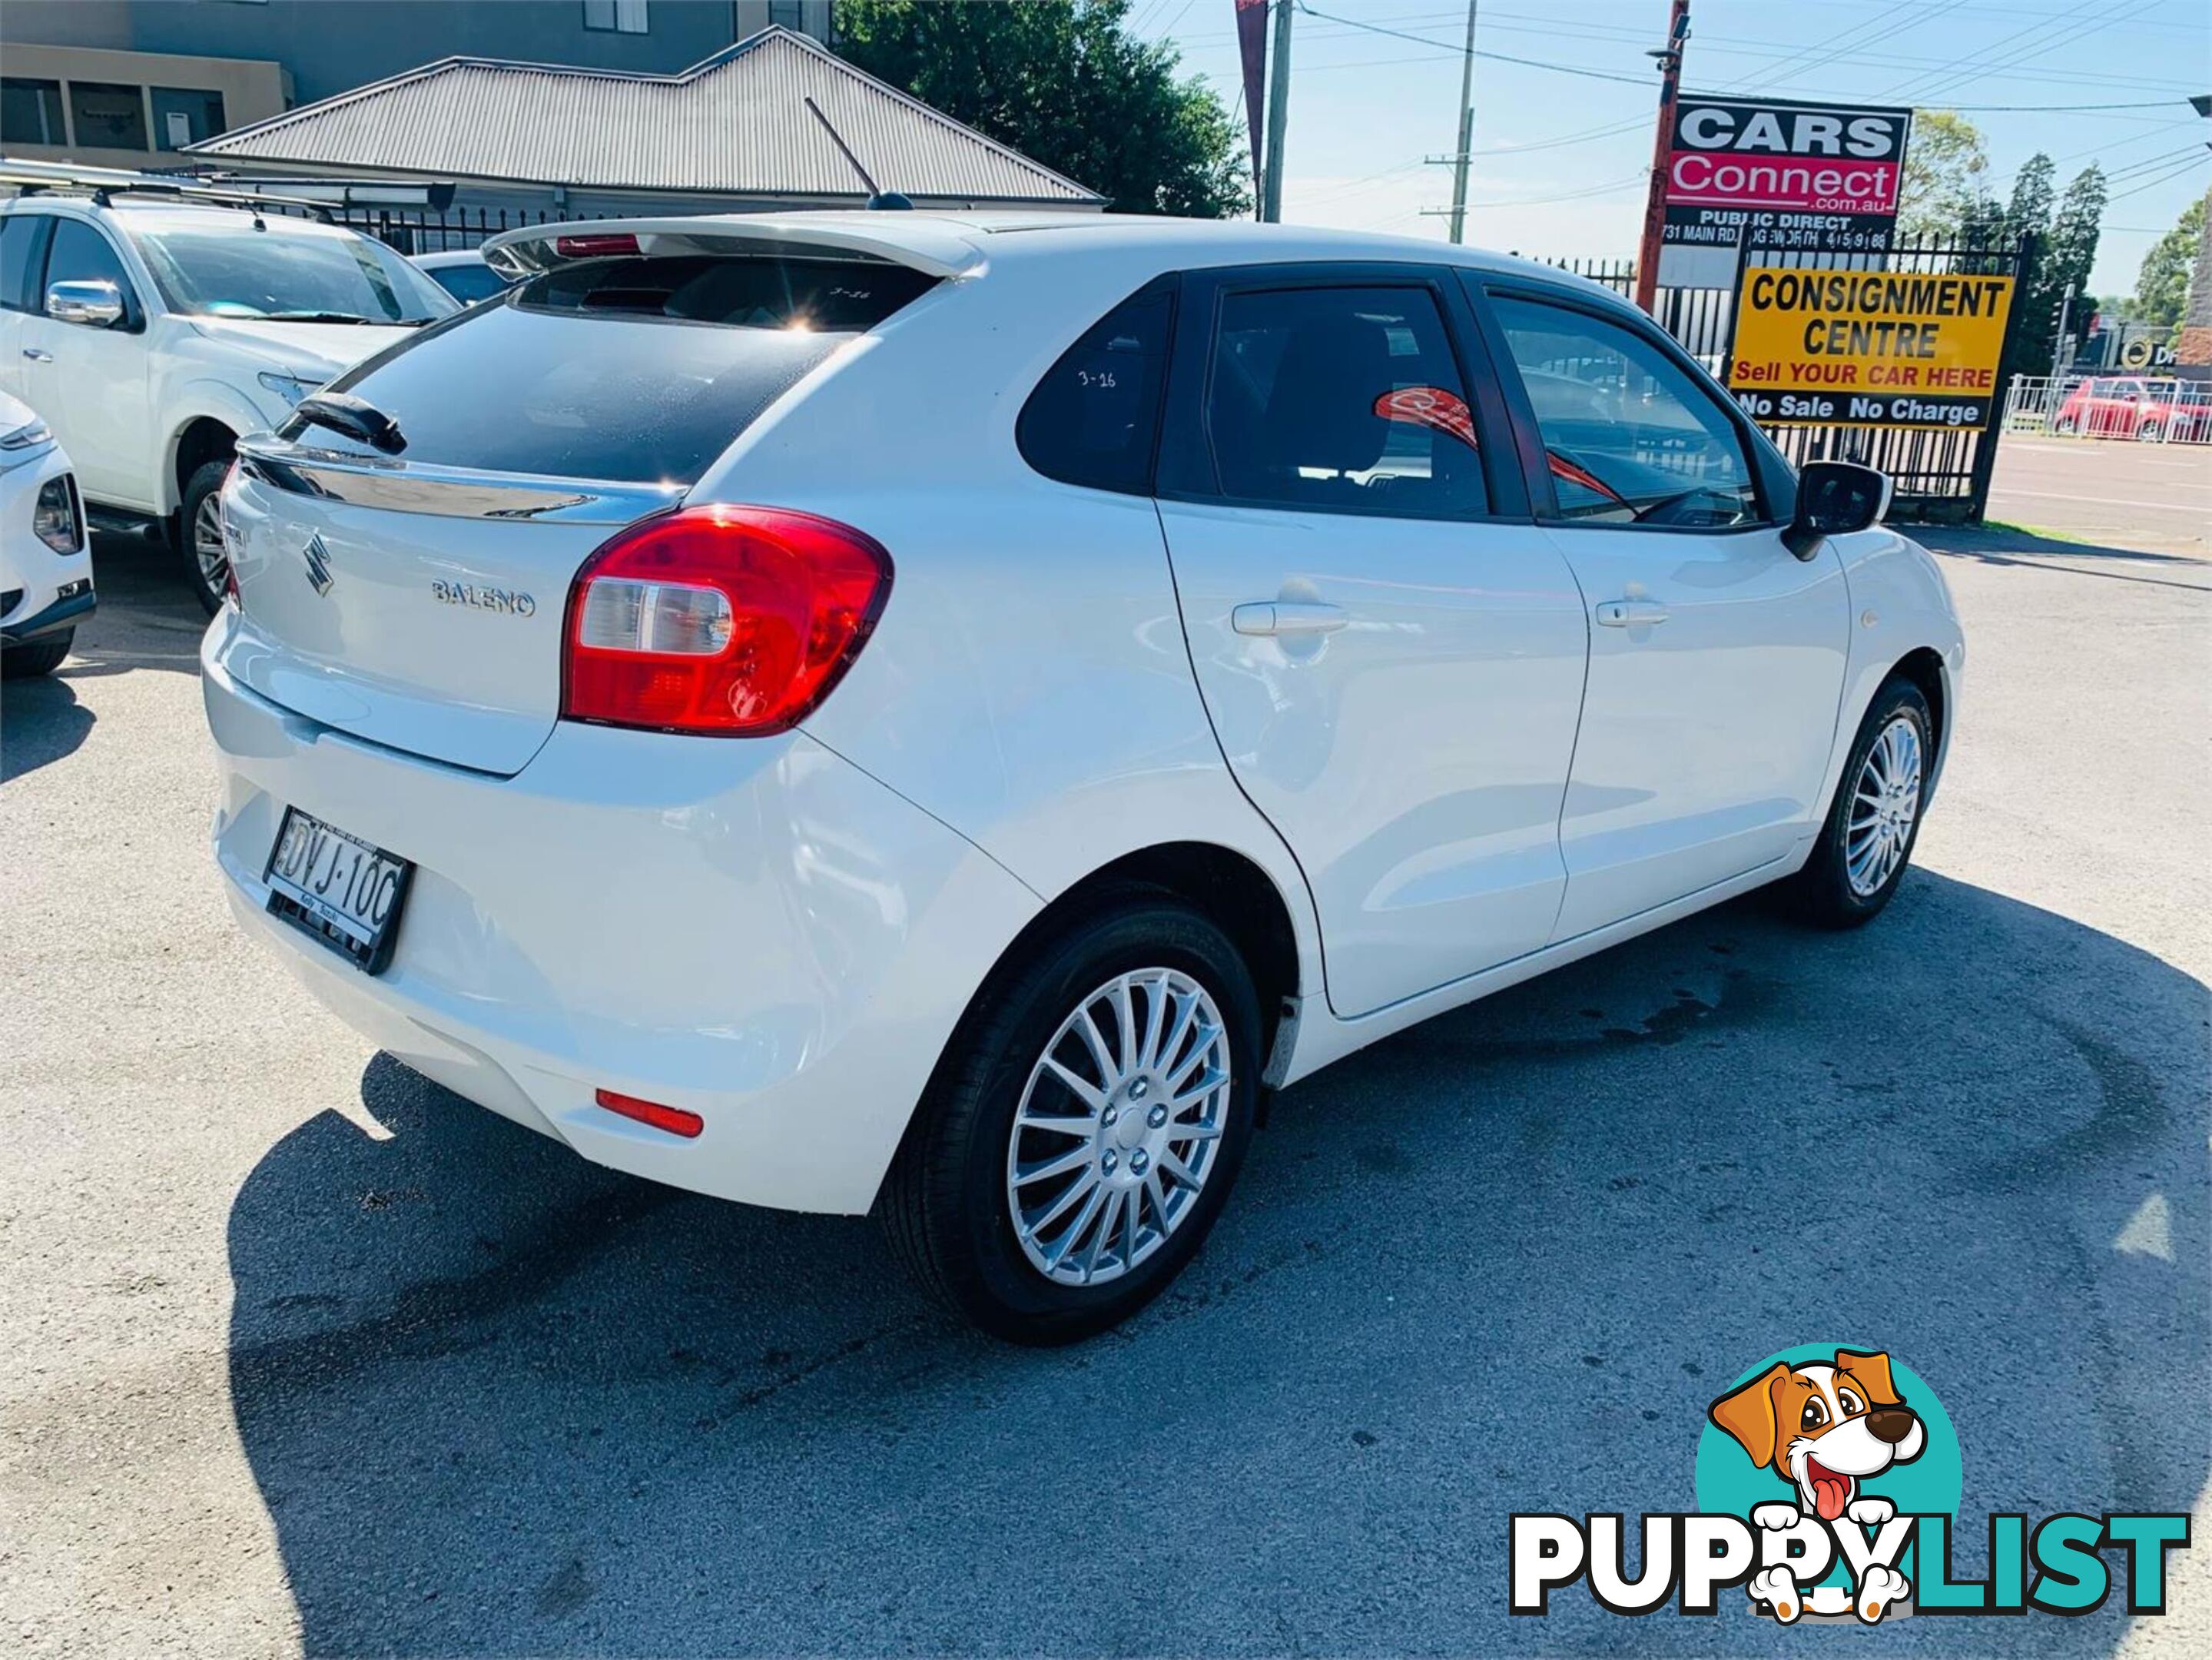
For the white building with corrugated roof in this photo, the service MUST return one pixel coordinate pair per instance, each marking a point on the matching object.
(732, 133)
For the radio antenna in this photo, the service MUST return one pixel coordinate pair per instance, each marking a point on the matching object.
(877, 198)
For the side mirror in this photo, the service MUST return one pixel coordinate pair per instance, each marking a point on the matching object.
(93, 305)
(1835, 498)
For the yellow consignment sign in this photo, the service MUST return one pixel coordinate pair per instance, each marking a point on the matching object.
(1867, 348)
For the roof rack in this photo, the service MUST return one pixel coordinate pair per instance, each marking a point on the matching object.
(315, 196)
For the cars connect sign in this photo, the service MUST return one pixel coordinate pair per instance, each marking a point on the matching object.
(1868, 348)
(1771, 173)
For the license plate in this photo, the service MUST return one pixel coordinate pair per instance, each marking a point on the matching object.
(337, 889)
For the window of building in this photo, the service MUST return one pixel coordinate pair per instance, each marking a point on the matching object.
(616, 16)
(184, 115)
(1629, 438)
(110, 117)
(1346, 399)
(31, 111)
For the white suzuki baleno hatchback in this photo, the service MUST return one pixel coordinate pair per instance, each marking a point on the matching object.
(936, 715)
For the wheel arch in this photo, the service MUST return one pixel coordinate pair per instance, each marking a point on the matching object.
(1230, 888)
(201, 438)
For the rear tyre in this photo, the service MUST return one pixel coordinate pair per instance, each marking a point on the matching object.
(207, 561)
(1084, 1126)
(1875, 818)
(40, 657)
(2065, 426)
(2150, 432)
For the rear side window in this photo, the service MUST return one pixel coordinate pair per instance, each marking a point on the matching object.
(636, 371)
(1095, 417)
(22, 239)
(1346, 399)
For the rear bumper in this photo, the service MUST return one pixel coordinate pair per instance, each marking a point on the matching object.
(756, 931)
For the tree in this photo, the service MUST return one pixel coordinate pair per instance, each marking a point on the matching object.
(1945, 186)
(2029, 210)
(2063, 262)
(1065, 82)
(2162, 284)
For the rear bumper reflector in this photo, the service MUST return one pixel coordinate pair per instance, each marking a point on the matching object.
(674, 1120)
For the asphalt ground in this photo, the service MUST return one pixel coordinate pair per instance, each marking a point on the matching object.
(299, 1353)
(2149, 497)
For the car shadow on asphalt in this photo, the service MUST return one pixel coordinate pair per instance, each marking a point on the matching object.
(1998, 545)
(500, 1400)
(40, 721)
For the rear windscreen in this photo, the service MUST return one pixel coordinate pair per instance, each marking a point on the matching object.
(638, 370)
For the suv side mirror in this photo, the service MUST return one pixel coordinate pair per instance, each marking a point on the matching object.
(94, 305)
(1833, 499)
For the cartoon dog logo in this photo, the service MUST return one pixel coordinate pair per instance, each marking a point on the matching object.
(1826, 1429)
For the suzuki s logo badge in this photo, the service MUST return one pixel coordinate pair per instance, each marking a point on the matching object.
(318, 564)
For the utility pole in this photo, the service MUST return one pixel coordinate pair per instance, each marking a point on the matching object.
(1278, 116)
(1465, 158)
(1662, 144)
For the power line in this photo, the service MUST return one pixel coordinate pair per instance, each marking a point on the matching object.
(1494, 57)
(2166, 178)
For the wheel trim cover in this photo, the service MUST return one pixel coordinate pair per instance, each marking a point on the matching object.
(1119, 1126)
(212, 558)
(1884, 807)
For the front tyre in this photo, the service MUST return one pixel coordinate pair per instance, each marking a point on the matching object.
(39, 657)
(1085, 1127)
(207, 559)
(1875, 818)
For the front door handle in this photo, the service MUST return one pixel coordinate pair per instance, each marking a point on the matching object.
(1629, 613)
(38, 356)
(1282, 616)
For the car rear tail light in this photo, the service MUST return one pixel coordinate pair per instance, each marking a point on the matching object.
(731, 620)
(674, 1120)
(597, 246)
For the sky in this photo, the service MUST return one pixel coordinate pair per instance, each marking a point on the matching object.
(1561, 157)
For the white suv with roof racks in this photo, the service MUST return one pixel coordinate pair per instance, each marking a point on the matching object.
(151, 334)
(875, 712)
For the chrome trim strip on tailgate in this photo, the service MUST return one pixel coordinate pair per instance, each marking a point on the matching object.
(445, 492)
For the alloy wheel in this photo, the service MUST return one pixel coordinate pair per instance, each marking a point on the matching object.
(1119, 1126)
(209, 552)
(1885, 803)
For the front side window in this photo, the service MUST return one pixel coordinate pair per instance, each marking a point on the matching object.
(1629, 438)
(230, 269)
(111, 116)
(1346, 399)
(81, 254)
(1094, 419)
(31, 111)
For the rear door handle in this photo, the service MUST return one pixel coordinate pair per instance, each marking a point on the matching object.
(1629, 613)
(38, 356)
(1281, 617)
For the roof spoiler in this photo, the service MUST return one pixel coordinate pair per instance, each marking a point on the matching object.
(933, 249)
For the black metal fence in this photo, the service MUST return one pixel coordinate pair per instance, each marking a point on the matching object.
(411, 231)
(1942, 475)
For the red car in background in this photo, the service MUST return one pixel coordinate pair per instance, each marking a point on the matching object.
(2125, 407)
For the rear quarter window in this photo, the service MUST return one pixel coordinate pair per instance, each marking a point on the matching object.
(633, 370)
(1095, 417)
